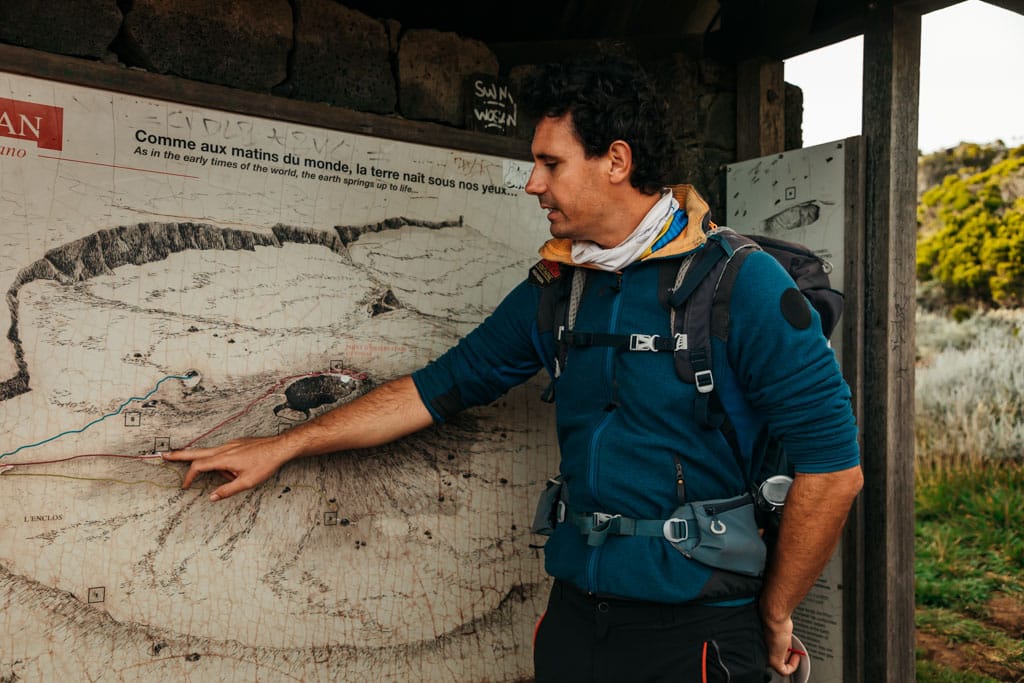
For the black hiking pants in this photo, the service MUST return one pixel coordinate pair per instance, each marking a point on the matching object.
(598, 640)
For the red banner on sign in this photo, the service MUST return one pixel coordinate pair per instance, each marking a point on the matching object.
(31, 121)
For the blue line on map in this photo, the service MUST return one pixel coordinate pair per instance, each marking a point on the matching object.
(99, 419)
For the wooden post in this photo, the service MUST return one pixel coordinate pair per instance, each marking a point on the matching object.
(760, 109)
(892, 46)
(854, 288)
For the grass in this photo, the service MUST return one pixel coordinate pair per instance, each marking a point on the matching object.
(970, 557)
(969, 499)
(969, 537)
(936, 673)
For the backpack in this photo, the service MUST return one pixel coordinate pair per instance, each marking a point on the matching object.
(699, 291)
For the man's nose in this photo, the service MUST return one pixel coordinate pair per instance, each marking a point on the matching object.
(533, 184)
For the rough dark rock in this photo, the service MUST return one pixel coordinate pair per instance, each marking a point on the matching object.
(394, 31)
(342, 57)
(84, 28)
(677, 78)
(240, 43)
(704, 168)
(432, 68)
(712, 180)
(718, 111)
(718, 75)
(517, 77)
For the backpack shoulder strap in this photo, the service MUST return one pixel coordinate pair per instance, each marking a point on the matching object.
(552, 278)
(556, 281)
(701, 295)
(742, 248)
(690, 275)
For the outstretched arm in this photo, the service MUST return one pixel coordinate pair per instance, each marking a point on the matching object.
(815, 512)
(389, 412)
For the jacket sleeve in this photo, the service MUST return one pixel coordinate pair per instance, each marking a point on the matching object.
(499, 354)
(789, 373)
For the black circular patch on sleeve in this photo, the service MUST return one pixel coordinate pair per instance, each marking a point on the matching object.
(795, 309)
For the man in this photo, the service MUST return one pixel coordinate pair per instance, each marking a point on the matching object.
(630, 606)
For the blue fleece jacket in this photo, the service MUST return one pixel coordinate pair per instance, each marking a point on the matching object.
(624, 419)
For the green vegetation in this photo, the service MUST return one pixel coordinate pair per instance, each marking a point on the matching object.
(969, 390)
(965, 159)
(969, 559)
(969, 423)
(929, 672)
(971, 234)
(970, 538)
(969, 497)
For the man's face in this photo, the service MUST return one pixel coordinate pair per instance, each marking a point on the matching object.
(570, 187)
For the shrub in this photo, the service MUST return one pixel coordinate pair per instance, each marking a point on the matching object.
(971, 236)
(970, 390)
(961, 312)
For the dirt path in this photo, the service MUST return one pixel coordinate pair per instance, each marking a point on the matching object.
(1005, 613)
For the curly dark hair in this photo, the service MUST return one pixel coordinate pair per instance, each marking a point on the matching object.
(610, 98)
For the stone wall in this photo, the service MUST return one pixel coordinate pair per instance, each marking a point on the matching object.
(322, 51)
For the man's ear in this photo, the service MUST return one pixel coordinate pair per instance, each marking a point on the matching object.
(620, 154)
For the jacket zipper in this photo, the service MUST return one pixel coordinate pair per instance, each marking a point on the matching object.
(594, 440)
(592, 484)
(610, 378)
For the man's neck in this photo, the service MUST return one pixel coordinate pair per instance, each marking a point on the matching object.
(628, 219)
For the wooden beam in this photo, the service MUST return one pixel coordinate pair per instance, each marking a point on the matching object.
(760, 108)
(892, 49)
(834, 22)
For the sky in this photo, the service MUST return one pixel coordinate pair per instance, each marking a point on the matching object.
(972, 58)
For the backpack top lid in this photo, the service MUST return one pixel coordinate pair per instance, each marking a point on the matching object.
(811, 274)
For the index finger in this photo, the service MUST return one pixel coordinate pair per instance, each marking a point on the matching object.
(187, 454)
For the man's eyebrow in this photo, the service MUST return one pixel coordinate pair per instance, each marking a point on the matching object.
(544, 156)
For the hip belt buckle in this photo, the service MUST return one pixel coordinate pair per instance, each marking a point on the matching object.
(676, 530)
(600, 520)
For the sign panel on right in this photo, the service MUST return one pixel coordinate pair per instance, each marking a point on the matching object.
(798, 196)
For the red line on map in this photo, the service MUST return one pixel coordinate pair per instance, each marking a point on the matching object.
(75, 457)
(127, 168)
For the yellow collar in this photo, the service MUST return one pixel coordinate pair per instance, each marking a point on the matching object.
(560, 249)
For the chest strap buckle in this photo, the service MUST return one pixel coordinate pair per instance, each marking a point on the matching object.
(643, 342)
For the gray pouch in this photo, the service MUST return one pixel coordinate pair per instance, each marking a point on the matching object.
(550, 507)
(726, 535)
